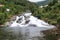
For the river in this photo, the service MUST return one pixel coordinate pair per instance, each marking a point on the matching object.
(25, 27)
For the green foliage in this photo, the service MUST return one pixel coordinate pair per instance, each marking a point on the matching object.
(51, 13)
(53, 2)
(51, 37)
(16, 7)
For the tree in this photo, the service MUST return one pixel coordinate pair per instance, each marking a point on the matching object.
(53, 2)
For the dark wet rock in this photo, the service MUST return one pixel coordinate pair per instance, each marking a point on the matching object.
(19, 20)
(33, 25)
(27, 21)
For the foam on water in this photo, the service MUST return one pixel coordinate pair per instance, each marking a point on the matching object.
(30, 25)
(27, 19)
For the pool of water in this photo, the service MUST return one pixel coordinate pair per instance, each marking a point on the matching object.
(18, 33)
(7, 33)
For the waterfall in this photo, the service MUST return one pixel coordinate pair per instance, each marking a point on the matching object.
(30, 27)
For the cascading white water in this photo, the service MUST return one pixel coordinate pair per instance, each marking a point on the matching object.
(28, 20)
(31, 26)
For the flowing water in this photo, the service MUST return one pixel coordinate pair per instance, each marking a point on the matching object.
(25, 27)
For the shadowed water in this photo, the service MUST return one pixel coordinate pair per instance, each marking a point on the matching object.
(18, 33)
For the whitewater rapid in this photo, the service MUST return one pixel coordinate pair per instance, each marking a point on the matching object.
(29, 26)
(28, 20)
